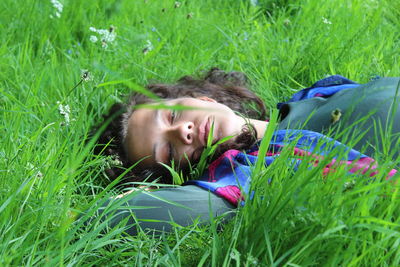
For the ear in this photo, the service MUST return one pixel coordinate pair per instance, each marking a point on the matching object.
(205, 98)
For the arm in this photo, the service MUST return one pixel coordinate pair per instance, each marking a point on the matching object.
(156, 210)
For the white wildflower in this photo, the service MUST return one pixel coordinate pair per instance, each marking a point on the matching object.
(190, 15)
(65, 111)
(148, 47)
(106, 36)
(58, 6)
(177, 4)
(86, 76)
(29, 166)
(326, 21)
(93, 38)
(349, 185)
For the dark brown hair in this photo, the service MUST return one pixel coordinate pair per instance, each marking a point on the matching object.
(226, 88)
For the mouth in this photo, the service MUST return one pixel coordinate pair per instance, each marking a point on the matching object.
(203, 131)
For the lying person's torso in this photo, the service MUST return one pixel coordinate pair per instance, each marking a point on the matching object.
(363, 117)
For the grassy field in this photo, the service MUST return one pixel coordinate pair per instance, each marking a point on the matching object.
(48, 175)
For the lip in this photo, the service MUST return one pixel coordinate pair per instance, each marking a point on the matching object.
(204, 129)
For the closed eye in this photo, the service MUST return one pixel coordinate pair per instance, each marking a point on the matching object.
(172, 116)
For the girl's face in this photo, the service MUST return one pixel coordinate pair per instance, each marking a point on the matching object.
(163, 135)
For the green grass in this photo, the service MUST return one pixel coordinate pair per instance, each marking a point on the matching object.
(48, 176)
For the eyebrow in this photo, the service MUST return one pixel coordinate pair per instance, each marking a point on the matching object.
(156, 116)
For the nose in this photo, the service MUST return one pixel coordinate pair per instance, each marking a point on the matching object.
(184, 132)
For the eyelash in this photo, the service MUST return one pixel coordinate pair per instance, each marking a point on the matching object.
(173, 116)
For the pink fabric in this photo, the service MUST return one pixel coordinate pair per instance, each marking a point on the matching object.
(363, 165)
(229, 154)
(231, 193)
(230, 173)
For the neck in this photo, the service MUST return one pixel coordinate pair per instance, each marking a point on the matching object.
(260, 126)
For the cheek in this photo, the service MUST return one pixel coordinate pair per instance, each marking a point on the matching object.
(219, 111)
(225, 115)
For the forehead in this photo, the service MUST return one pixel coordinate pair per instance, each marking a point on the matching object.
(140, 136)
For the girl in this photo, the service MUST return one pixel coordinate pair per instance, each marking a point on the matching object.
(196, 112)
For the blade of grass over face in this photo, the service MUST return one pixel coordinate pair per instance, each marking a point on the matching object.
(49, 175)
